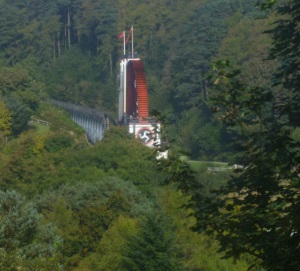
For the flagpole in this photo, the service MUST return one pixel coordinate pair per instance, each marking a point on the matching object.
(132, 41)
(124, 42)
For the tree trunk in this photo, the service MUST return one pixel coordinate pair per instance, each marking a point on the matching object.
(69, 28)
(65, 38)
(58, 44)
(205, 90)
(110, 63)
(78, 36)
(54, 48)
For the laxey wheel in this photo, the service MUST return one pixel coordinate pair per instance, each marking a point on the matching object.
(137, 93)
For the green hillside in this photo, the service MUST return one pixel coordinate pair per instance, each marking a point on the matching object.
(223, 75)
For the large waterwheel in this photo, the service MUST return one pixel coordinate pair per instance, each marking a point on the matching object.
(136, 88)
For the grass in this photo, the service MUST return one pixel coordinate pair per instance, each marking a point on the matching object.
(200, 165)
(59, 119)
(40, 128)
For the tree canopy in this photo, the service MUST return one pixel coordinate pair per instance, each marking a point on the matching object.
(68, 205)
(256, 212)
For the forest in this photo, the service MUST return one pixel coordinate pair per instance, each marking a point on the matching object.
(223, 78)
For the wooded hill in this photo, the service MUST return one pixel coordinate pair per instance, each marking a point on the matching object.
(70, 48)
(68, 205)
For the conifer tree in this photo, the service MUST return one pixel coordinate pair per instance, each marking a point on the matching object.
(257, 211)
(153, 249)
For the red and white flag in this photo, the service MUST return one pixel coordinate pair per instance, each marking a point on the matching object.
(130, 31)
(121, 35)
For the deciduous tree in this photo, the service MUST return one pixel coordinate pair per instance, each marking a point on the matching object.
(5, 119)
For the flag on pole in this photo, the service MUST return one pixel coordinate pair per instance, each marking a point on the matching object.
(130, 31)
(121, 35)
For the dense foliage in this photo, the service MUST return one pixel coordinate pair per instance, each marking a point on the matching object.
(67, 205)
(71, 47)
(256, 212)
(93, 207)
